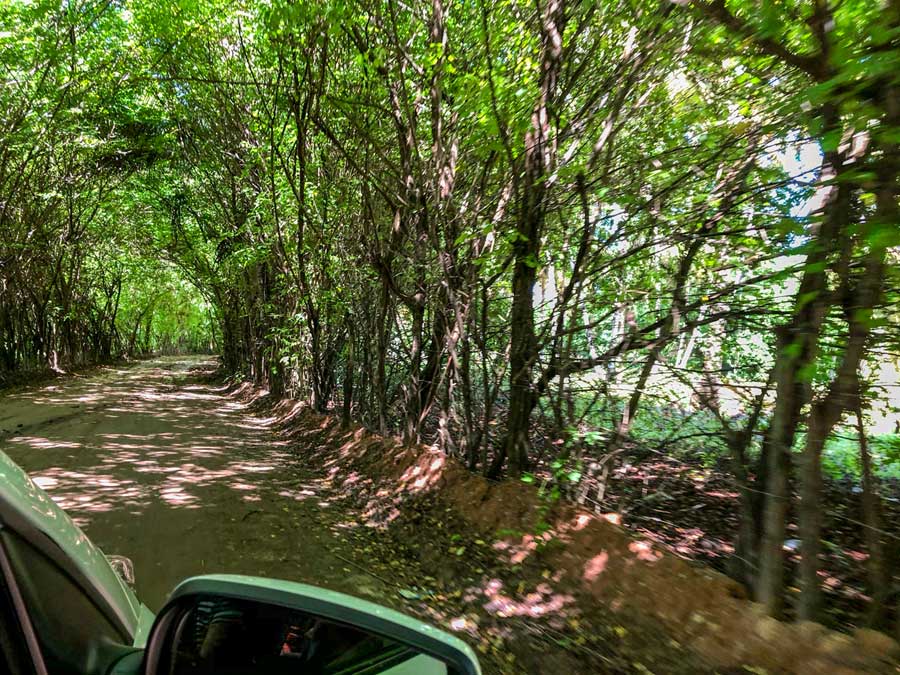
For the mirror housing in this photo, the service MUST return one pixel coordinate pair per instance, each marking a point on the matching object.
(328, 606)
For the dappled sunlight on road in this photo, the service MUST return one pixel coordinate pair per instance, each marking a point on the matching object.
(44, 443)
(298, 495)
(166, 470)
(91, 489)
(170, 443)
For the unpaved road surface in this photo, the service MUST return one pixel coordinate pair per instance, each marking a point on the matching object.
(159, 466)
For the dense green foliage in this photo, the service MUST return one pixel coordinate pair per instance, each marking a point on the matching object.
(75, 284)
(533, 234)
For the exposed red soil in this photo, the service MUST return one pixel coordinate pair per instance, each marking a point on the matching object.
(583, 561)
(693, 510)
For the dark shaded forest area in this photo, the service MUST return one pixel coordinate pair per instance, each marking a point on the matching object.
(582, 245)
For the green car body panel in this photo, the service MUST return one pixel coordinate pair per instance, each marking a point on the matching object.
(28, 510)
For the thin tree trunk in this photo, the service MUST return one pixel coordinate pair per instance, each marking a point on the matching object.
(348, 381)
(797, 346)
(384, 329)
(860, 294)
(539, 158)
(879, 579)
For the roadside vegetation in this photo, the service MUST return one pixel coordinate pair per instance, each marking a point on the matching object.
(640, 254)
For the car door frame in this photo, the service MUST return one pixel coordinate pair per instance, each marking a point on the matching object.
(13, 521)
(21, 612)
(43, 545)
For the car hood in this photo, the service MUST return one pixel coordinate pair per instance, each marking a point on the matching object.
(31, 512)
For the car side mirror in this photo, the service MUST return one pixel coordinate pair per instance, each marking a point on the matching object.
(235, 625)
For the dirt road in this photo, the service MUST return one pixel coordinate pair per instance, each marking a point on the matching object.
(159, 466)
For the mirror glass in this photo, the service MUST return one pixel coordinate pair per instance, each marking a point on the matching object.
(227, 636)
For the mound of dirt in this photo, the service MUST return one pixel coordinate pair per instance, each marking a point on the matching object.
(604, 564)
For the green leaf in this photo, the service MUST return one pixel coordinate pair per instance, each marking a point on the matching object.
(793, 350)
(806, 298)
(830, 140)
(807, 372)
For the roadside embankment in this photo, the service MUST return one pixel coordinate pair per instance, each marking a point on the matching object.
(572, 564)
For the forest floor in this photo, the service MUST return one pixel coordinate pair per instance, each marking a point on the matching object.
(692, 510)
(160, 464)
